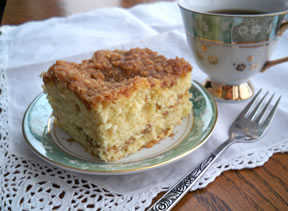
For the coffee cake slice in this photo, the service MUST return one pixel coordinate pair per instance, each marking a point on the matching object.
(119, 101)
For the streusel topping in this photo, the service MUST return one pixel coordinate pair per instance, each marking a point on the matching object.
(109, 74)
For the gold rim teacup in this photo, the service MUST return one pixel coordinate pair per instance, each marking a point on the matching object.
(231, 48)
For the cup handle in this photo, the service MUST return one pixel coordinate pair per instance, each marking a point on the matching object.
(268, 64)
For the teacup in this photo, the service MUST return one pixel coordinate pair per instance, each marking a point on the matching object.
(233, 40)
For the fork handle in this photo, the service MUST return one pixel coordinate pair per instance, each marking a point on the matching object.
(176, 192)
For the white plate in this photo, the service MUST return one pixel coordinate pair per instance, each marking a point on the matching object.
(51, 144)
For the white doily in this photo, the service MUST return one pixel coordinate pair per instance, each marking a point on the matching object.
(27, 183)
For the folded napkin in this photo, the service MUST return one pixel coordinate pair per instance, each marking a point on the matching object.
(29, 183)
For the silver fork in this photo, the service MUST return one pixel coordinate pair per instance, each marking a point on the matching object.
(249, 126)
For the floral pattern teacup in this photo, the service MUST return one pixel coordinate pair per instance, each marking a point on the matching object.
(231, 48)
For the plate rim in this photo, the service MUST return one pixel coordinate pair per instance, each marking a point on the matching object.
(123, 171)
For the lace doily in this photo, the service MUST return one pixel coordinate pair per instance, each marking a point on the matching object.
(3, 99)
(30, 185)
(27, 185)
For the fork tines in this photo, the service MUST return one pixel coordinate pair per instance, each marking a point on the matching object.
(258, 110)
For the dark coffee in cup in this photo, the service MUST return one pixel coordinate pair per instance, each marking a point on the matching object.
(237, 12)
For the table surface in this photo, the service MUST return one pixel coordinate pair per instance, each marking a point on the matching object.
(262, 188)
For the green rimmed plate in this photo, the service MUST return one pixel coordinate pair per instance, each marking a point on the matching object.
(52, 145)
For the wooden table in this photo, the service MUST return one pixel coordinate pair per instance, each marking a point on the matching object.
(262, 188)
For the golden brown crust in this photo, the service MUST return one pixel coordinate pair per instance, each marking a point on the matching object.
(109, 74)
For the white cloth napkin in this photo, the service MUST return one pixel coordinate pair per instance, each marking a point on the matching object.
(29, 49)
